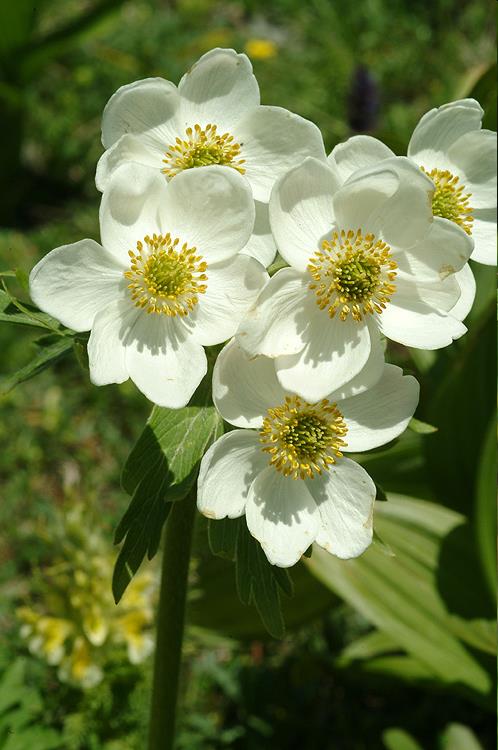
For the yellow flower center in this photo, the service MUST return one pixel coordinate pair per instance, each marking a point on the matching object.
(200, 148)
(164, 277)
(303, 439)
(449, 200)
(352, 274)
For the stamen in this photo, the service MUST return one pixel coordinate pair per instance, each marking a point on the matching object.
(303, 439)
(166, 278)
(202, 146)
(449, 200)
(353, 274)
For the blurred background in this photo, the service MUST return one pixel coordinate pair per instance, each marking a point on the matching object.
(394, 651)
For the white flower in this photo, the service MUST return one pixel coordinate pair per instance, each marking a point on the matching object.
(365, 256)
(287, 472)
(213, 117)
(167, 281)
(450, 145)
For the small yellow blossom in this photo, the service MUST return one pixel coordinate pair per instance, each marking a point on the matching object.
(74, 623)
(261, 49)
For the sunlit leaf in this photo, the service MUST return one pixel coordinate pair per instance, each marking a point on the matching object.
(428, 598)
(53, 349)
(161, 468)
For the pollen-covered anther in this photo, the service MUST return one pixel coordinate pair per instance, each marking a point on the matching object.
(303, 439)
(352, 274)
(200, 148)
(450, 200)
(165, 276)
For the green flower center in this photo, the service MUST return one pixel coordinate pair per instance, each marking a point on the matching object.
(357, 277)
(303, 439)
(352, 274)
(449, 200)
(164, 277)
(200, 148)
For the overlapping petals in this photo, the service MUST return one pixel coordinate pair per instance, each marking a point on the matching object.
(151, 333)
(286, 514)
(213, 117)
(316, 348)
(448, 139)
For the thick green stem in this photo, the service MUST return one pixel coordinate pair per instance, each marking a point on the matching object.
(170, 622)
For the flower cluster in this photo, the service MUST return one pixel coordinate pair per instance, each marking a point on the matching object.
(74, 624)
(201, 184)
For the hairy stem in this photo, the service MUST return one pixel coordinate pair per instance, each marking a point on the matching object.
(170, 622)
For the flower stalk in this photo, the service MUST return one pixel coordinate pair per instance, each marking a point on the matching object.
(170, 622)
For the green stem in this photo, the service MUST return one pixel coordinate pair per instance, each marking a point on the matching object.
(170, 622)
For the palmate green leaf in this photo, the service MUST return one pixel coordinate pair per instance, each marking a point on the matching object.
(218, 607)
(173, 442)
(258, 582)
(50, 350)
(160, 469)
(428, 598)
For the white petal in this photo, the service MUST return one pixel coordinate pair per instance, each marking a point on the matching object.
(127, 148)
(243, 387)
(370, 372)
(335, 352)
(414, 323)
(261, 244)
(165, 363)
(441, 253)
(345, 499)
(106, 345)
(484, 236)
(475, 156)
(73, 282)
(301, 210)
(358, 152)
(129, 208)
(211, 209)
(218, 89)
(274, 140)
(467, 283)
(440, 128)
(363, 196)
(407, 216)
(277, 322)
(227, 471)
(232, 287)
(282, 516)
(381, 413)
(440, 295)
(400, 217)
(146, 108)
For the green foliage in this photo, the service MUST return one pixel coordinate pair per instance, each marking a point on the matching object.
(160, 469)
(422, 428)
(414, 597)
(258, 582)
(485, 520)
(454, 737)
(50, 349)
(70, 58)
(21, 711)
(398, 739)
(459, 737)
